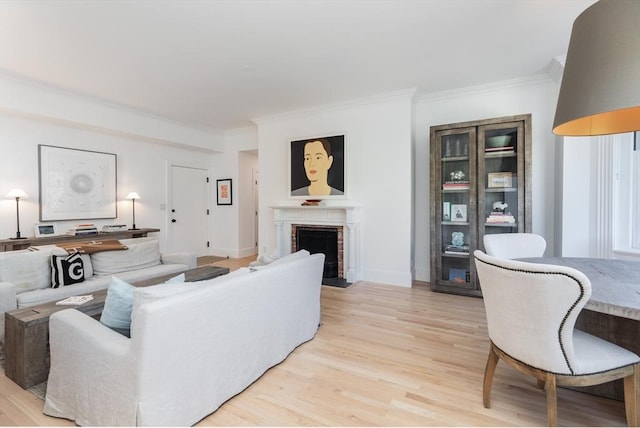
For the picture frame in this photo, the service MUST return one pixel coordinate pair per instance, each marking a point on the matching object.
(499, 179)
(446, 211)
(45, 229)
(459, 212)
(76, 184)
(329, 168)
(224, 191)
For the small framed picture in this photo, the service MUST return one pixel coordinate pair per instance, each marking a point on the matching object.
(446, 211)
(500, 179)
(223, 191)
(459, 212)
(45, 229)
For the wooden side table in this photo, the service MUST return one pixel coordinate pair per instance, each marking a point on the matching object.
(26, 341)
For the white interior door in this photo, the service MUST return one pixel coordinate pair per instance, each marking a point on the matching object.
(188, 210)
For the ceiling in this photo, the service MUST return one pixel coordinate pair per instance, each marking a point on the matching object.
(220, 63)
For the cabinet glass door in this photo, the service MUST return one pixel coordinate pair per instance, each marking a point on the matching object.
(501, 179)
(457, 211)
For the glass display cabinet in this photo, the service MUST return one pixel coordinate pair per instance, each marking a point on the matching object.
(480, 183)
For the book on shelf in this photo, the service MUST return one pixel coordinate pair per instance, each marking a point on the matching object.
(456, 253)
(83, 229)
(455, 185)
(461, 250)
(498, 217)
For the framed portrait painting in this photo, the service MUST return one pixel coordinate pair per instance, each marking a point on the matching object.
(317, 168)
(76, 184)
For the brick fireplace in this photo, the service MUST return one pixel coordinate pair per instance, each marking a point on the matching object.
(345, 220)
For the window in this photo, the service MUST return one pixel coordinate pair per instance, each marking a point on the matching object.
(627, 193)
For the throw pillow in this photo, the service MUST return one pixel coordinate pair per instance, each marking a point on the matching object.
(66, 270)
(116, 313)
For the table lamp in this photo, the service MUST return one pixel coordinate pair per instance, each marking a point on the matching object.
(133, 196)
(17, 193)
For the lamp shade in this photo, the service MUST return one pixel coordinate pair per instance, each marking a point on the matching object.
(133, 195)
(17, 193)
(600, 90)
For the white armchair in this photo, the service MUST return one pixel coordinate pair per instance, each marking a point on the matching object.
(514, 245)
(531, 314)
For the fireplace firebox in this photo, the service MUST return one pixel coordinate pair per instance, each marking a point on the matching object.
(322, 239)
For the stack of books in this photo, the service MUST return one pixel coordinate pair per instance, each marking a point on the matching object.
(460, 250)
(83, 229)
(459, 185)
(497, 217)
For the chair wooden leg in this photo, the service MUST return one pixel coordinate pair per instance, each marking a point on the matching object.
(632, 397)
(489, 371)
(552, 401)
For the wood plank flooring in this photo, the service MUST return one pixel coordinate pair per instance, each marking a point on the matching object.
(383, 356)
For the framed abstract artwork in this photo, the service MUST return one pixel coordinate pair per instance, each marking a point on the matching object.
(76, 184)
(317, 168)
(223, 191)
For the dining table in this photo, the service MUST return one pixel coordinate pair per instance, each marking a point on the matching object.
(613, 310)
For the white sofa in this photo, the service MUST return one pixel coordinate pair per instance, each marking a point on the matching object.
(192, 347)
(25, 276)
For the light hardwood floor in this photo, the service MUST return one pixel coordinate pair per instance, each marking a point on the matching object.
(383, 356)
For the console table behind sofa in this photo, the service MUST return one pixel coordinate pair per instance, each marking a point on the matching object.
(21, 244)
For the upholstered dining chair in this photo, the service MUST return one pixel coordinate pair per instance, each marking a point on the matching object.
(514, 245)
(531, 313)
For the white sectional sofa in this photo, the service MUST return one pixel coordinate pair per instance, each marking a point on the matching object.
(192, 346)
(25, 276)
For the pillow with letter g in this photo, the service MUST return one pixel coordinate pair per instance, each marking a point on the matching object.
(66, 270)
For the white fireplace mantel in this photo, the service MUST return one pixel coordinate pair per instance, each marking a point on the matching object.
(347, 216)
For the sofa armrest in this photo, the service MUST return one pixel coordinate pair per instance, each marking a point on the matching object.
(8, 302)
(184, 258)
(90, 365)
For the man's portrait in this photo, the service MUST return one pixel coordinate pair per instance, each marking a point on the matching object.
(317, 168)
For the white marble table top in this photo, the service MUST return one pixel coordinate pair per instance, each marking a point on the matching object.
(615, 284)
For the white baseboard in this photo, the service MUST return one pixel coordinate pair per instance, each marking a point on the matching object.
(233, 253)
(400, 279)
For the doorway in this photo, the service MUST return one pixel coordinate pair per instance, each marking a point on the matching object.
(188, 210)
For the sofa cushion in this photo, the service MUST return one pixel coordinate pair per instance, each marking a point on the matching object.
(116, 313)
(66, 270)
(26, 270)
(137, 256)
(150, 294)
(46, 295)
(286, 259)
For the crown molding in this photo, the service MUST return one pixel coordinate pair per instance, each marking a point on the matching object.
(358, 102)
(556, 67)
(485, 88)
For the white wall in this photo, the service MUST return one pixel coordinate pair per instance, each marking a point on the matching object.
(378, 139)
(534, 95)
(32, 114)
(233, 224)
